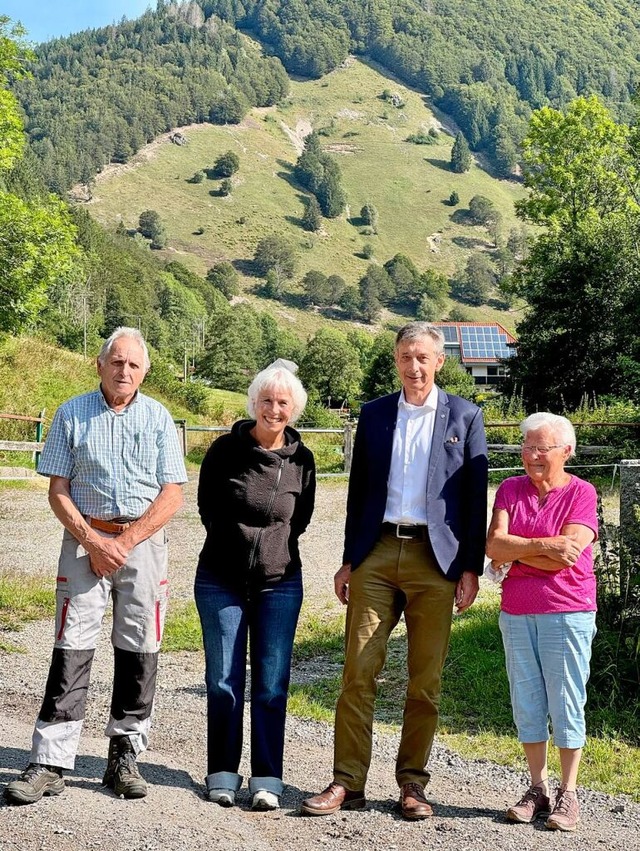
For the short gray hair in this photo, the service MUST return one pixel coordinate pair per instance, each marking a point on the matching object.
(135, 334)
(413, 330)
(277, 376)
(560, 426)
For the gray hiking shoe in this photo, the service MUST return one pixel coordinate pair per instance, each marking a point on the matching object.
(34, 782)
(122, 773)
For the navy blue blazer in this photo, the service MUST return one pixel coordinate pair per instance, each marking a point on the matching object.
(456, 483)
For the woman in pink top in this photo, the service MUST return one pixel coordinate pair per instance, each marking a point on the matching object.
(545, 523)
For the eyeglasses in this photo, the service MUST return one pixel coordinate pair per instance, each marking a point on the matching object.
(541, 450)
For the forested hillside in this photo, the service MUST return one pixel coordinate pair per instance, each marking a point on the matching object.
(98, 96)
(363, 186)
(485, 62)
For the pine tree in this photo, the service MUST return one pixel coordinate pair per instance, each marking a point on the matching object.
(460, 155)
(312, 216)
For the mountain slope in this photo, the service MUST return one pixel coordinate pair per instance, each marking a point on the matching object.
(409, 184)
(100, 95)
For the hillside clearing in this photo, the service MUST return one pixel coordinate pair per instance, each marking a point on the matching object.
(409, 185)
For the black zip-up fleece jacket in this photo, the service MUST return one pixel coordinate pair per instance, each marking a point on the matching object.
(254, 504)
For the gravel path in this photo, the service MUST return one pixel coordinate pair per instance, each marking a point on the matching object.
(469, 797)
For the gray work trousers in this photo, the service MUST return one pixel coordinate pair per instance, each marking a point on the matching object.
(139, 591)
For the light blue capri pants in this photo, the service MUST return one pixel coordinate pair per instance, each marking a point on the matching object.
(548, 667)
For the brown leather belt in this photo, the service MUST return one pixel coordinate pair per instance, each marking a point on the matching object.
(406, 531)
(110, 526)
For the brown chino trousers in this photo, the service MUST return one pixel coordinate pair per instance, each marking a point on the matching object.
(397, 576)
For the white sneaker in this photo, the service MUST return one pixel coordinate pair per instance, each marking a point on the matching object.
(263, 800)
(224, 797)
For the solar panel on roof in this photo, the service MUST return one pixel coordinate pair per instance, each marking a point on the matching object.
(450, 333)
(487, 342)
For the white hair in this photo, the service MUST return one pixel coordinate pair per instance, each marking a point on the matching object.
(561, 427)
(135, 334)
(283, 378)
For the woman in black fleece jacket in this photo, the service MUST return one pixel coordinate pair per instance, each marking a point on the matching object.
(255, 497)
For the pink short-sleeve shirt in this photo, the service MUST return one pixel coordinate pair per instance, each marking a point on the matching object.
(529, 590)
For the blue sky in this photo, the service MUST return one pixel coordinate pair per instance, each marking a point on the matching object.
(45, 19)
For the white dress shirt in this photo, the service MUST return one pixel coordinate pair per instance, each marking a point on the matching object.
(410, 453)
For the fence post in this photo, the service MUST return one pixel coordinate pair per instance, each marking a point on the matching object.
(629, 526)
(348, 447)
(182, 426)
(39, 429)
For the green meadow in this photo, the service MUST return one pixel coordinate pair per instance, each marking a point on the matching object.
(409, 184)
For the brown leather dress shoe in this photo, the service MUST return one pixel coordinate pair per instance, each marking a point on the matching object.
(335, 797)
(413, 802)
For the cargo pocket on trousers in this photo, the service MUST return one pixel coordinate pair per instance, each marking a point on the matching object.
(162, 600)
(62, 606)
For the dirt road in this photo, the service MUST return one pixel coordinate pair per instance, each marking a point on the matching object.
(469, 798)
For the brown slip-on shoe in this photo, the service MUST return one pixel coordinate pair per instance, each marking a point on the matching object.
(335, 797)
(413, 803)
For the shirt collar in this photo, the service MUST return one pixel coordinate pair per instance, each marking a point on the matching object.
(430, 403)
(105, 404)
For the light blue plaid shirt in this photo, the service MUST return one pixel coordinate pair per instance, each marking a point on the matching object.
(116, 462)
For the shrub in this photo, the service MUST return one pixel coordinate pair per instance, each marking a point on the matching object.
(615, 669)
(226, 165)
(422, 138)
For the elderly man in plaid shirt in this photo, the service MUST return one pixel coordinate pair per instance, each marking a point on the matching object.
(116, 470)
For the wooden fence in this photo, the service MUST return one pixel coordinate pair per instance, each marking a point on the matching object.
(34, 446)
(347, 432)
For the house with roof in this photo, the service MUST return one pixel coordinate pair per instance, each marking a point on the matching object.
(483, 348)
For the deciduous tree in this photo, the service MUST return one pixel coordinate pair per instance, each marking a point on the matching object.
(224, 278)
(331, 367)
(37, 249)
(227, 164)
(275, 253)
(381, 375)
(580, 275)
(578, 163)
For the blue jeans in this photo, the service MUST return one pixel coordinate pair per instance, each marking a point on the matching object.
(266, 618)
(548, 667)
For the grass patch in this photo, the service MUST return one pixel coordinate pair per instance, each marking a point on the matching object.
(328, 451)
(315, 701)
(182, 630)
(476, 718)
(319, 634)
(29, 598)
(475, 690)
(11, 648)
(26, 484)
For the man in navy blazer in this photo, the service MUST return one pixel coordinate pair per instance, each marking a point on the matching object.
(414, 546)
